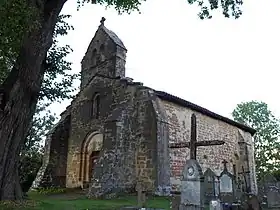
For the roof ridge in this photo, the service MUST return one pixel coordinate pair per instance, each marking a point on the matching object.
(183, 102)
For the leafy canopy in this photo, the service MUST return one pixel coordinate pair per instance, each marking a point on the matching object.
(229, 8)
(266, 140)
(57, 83)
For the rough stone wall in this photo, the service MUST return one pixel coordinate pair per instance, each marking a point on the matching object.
(251, 160)
(128, 154)
(179, 123)
(102, 67)
(128, 125)
(115, 169)
(53, 169)
(162, 150)
(146, 130)
(104, 57)
(83, 123)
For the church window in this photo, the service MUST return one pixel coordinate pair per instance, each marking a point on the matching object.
(100, 57)
(101, 49)
(96, 106)
(94, 57)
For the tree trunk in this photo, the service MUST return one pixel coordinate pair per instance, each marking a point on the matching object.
(21, 90)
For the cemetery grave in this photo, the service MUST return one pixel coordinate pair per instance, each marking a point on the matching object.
(223, 191)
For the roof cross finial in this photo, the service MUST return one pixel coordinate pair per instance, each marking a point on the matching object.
(102, 21)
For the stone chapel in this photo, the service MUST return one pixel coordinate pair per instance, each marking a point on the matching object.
(117, 133)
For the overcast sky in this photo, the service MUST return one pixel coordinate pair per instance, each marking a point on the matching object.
(214, 63)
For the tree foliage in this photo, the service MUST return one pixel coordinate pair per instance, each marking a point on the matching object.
(266, 140)
(229, 8)
(57, 84)
(15, 16)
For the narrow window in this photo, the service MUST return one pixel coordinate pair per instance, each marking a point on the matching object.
(96, 106)
(100, 56)
(102, 48)
(94, 57)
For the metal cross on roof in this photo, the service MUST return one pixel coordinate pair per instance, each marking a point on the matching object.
(102, 21)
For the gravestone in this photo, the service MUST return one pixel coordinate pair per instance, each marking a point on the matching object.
(217, 187)
(209, 186)
(273, 197)
(271, 192)
(191, 187)
(226, 185)
(250, 202)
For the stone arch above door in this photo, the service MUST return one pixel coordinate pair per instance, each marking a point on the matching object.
(90, 149)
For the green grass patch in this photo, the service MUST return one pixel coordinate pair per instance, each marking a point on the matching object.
(77, 201)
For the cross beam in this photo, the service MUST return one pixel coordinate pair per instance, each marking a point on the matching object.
(199, 143)
(193, 144)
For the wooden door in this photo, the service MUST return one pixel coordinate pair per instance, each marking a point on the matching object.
(92, 162)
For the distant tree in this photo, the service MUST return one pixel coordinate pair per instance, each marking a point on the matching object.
(266, 140)
(229, 8)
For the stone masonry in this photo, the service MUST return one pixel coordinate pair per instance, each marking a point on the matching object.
(116, 132)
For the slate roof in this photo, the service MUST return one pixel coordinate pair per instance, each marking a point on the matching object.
(174, 99)
(113, 36)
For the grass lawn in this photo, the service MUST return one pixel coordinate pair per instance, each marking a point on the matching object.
(75, 201)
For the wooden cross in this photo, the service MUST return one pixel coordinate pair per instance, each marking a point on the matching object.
(193, 144)
(245, 174)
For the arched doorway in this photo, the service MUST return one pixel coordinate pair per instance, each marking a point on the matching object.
(92, 162)
(91, 148)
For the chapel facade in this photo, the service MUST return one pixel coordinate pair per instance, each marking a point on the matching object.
(117, 132)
